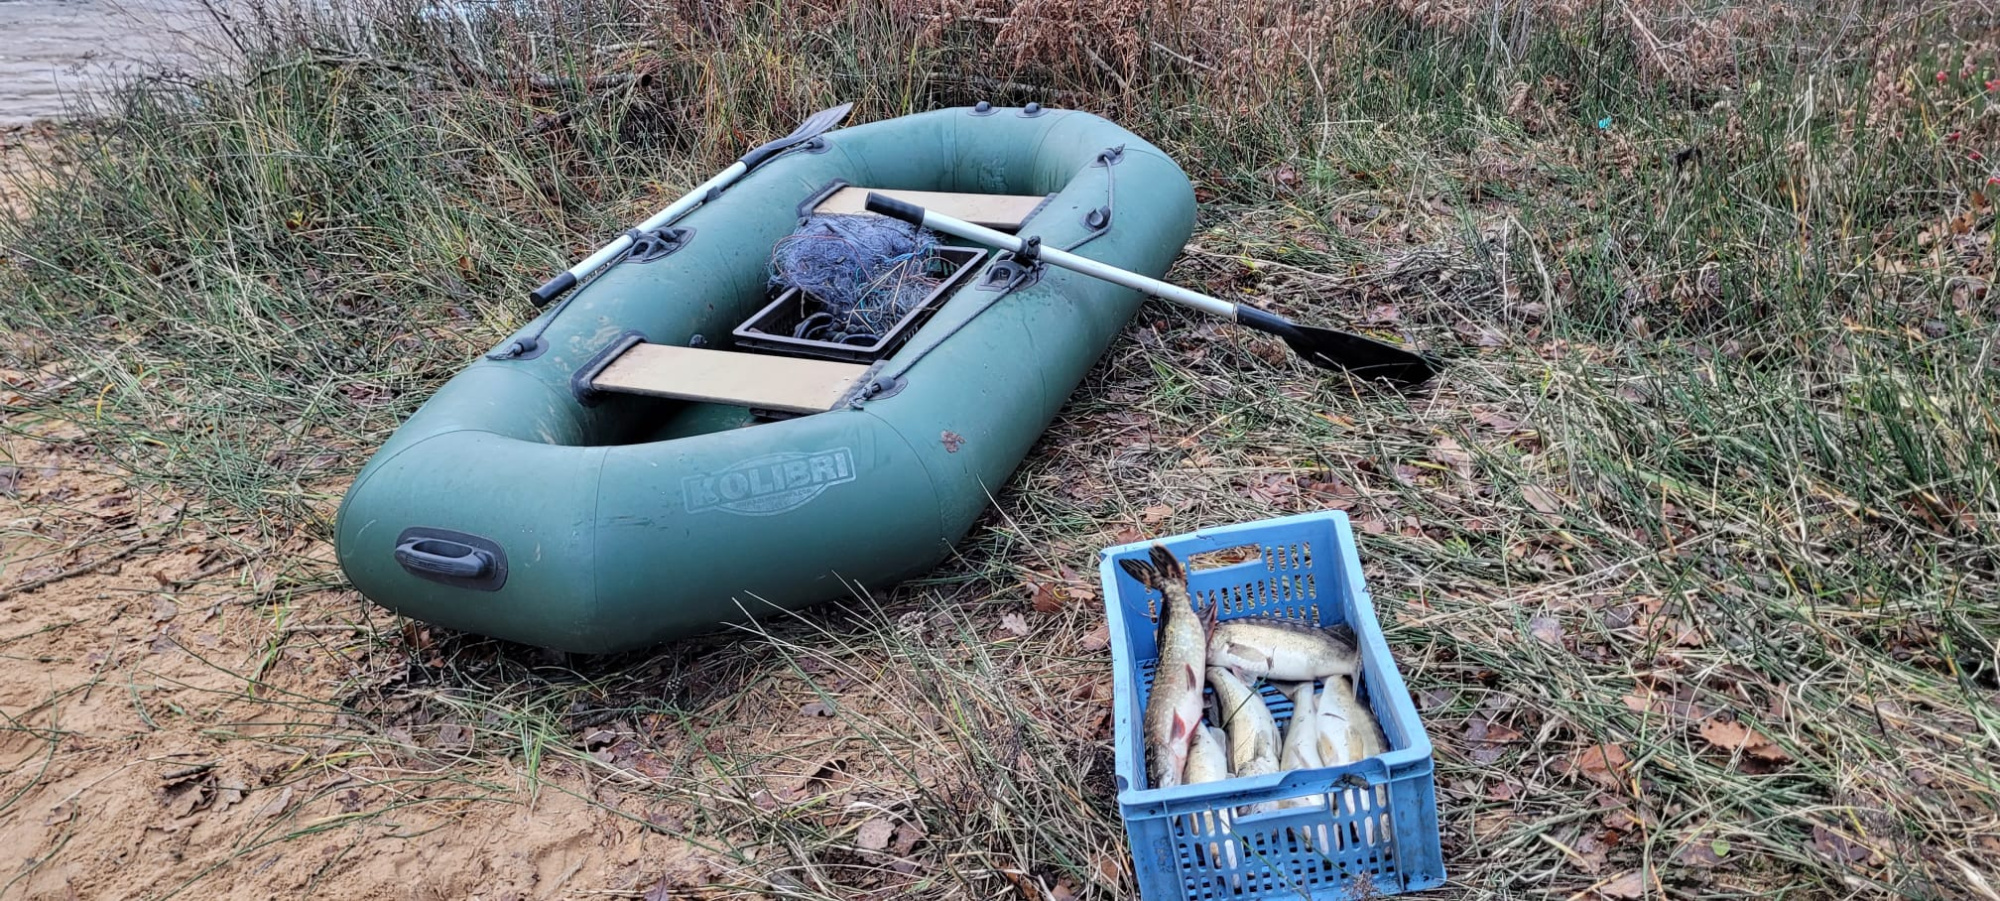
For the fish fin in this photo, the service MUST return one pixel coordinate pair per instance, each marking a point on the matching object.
(1194, 678)
(1138, 569)
(1165, 563)
(1209, 616)
(1181, 728)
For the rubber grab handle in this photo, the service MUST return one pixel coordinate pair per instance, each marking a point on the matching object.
(554, 287)
(444, 558)
(895, 209)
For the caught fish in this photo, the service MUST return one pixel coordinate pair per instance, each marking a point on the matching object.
(1301, 748)
(1253, 734)
(1208, 761)
(1282, 650)
(1363, 736)
(1333, 726)
(1173, 706)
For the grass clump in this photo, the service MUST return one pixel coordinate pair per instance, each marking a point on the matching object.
(1688, 559)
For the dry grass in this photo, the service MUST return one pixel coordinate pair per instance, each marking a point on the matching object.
(1688, 559)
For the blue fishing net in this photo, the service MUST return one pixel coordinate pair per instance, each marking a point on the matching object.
(863, 272)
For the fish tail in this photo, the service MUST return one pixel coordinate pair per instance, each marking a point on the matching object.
(1145, 573)
(1166, 565)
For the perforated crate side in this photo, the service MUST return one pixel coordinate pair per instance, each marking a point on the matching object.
(1384, 822)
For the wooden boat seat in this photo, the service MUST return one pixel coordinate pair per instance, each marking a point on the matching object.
(758, 381)
(1004, 212)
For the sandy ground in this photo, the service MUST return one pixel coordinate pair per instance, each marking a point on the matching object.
(170, 728)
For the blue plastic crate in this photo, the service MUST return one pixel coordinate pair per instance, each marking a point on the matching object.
(1379, 823)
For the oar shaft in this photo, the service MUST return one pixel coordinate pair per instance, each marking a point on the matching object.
(935, 221)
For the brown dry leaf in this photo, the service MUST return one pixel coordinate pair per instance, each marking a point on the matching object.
(1014, 624)
(874, 835)
(1045, 598)
(1097, 639)
(1546, 630)
(1541, 499)
(1065, 890)
(1486, 740)
(1730, 735)
(1627, 887)
(1449, 452)
(907, 836)
(1702, 853)
(1604, 764)
(277, 805)
(1838, 846)
(1155, 514)
(1109, 870)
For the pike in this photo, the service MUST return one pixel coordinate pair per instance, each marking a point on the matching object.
(1253, 734)
(1282, 650)
(1173, 706)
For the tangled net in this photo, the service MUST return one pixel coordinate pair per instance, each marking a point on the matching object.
(866, 272)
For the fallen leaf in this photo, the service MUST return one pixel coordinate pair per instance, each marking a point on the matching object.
(277, 805)
(453, 735)
(816, 708)
(1451, 453)
(1627, 887)
(1044, 597)
(1155, 514)
(1546, 630)
(1097, 639)
(1109, 870)
(907, 836)
(1730, 735)
(874, 835)
(350, 800)
(659, 892)
(1702, 853)
(1838, 846)
(1540, 499)
(1604, 764)
(1014, 624)
(1065, 890)
(1486, 740)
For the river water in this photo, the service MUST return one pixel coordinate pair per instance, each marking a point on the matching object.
(56, 52)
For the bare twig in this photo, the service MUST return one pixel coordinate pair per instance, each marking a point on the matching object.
(80, 569)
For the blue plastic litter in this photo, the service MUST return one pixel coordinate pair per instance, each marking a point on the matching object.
(1377, 834)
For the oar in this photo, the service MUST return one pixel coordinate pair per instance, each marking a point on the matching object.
(811, 128)
(1325, 348)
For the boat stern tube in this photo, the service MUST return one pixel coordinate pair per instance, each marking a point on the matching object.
(515, 505)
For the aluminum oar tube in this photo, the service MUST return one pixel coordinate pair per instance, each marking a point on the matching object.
(935, 221)
(812, 127)
(1322, 347)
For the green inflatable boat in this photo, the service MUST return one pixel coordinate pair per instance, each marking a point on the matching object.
(634, 466)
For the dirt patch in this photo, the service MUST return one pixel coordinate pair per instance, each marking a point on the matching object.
(25, 151)
(163, 688)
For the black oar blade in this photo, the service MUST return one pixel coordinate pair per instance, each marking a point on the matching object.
(1364, 357)
(812, 127)
(821, 121)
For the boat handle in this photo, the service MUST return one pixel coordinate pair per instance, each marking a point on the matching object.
(434, 556)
